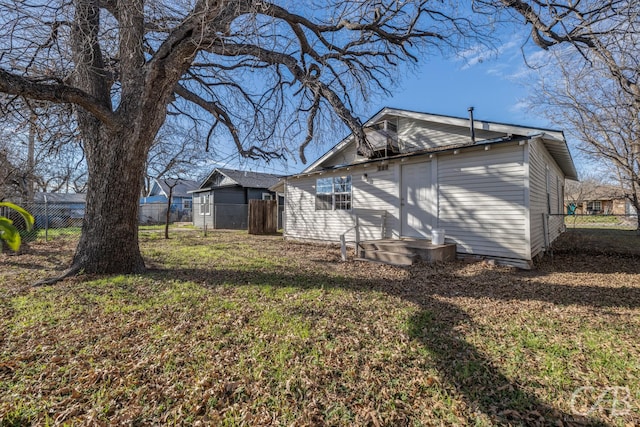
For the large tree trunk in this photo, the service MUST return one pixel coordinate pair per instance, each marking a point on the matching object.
(109, 240)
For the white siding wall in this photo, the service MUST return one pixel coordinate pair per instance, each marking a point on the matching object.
(417, 135)
(539, 161)
(377, 191)
(481, 201)
(346, 156)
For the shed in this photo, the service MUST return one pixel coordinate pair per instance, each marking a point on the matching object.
(221, 200)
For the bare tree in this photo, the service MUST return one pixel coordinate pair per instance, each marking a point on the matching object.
(176, 153)
(598, 114)
(44, 145)
(253, 66)
(603, 31)
(590, 85)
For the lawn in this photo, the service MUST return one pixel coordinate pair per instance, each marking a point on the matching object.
(232, 329)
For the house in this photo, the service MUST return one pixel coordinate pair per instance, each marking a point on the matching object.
(598, 200)
(153, 207)
(495, 189)
(58, 210)
(221, 200)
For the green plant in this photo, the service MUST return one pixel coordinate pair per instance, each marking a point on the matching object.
(8, 232)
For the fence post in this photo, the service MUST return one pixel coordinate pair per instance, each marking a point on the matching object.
(357, 236)
(46, 219)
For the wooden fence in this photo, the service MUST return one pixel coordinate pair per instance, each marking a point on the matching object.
(263, 216)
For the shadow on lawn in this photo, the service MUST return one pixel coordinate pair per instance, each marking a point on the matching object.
(464, 369)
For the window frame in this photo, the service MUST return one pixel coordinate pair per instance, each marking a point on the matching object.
(205, 207)
(594, 206)
(336, 195)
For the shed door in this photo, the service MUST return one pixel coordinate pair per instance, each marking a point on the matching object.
(415, 202)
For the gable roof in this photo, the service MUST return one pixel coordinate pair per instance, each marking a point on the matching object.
(42, 197)
(233, 177)
(180, 186)
(553, 139)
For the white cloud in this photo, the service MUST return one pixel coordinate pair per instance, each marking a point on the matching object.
(479, 54)
(519, 107)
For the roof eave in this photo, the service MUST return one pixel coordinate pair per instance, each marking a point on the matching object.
(432, 151)
(509, 129)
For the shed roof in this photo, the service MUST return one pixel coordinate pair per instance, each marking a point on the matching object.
(233, 177)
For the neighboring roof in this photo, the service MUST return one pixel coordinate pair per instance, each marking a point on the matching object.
(553, 139)
(180, 189)
(59, 197)
(233, 177)
(599, 192)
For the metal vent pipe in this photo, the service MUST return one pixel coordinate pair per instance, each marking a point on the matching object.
(471, 125)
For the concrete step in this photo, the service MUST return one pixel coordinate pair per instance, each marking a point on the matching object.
(390, 245)
(436, 253)
(390, 257)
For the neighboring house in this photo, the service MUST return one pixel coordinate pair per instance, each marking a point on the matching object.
(57, 210)
(153, 207)
(222, 199)
(497, 194)
(599, 200)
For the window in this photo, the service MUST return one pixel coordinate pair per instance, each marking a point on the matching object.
(385, 125)
(333, 193)
(594, 206)
(204, 205)
(267, 196)
(186, 204)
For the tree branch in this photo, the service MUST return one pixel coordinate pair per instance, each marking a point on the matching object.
(59, 93)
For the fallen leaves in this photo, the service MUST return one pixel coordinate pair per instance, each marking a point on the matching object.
(277, 332)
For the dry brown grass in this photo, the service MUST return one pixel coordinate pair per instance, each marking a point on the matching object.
(245, 330)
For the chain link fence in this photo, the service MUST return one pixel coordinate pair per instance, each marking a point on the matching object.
(619, 222)
(52, 220)
(156, 213)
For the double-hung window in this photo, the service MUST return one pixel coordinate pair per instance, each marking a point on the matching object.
(204, 205)
(333, 193)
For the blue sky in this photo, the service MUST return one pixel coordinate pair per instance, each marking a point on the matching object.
(493, 86)
(493, 82)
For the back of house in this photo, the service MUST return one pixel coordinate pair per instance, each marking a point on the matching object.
(497, 191)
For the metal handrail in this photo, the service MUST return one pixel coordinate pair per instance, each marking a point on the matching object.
(356, 213)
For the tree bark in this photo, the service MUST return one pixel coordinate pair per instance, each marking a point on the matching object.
(109, 240)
